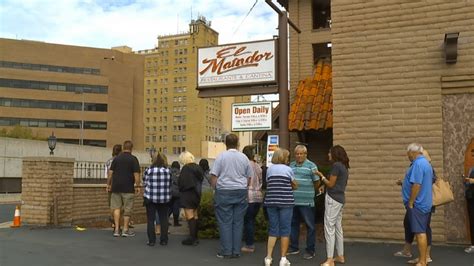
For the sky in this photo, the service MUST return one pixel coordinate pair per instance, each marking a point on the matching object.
(134, 23)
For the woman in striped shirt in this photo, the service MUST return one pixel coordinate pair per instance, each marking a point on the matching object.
(279, 202)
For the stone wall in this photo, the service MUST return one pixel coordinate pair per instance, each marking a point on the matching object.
(47, 180)
(458, 129)
(90, 205)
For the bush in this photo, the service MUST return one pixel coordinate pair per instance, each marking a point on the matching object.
(208, 227)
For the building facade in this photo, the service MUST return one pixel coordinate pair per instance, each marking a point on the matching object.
(84, 95)
(392, 84)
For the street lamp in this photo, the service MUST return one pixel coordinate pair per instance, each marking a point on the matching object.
(152, 151)
(52, 143)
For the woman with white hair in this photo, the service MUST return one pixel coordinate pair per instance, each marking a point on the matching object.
(190, 182)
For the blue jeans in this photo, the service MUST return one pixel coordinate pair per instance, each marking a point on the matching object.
(303, 214)
(249, 223)
(230, 207)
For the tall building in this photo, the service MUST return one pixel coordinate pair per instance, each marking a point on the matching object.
(175, 118)
(85, 95)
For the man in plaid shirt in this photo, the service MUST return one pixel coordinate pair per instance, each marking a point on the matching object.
(156, 197)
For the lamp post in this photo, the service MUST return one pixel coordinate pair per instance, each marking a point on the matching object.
(81, 140)
(283, 22)
(52, 143)
(152, 151)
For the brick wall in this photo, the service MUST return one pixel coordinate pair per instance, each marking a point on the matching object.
(44, 179)
(47, 178)
(388, 61)
(90, 205)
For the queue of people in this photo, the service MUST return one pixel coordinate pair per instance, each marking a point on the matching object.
(288, 201)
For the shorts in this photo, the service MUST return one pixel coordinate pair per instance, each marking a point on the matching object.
(125, 200)
(418, 220)
(279, 221)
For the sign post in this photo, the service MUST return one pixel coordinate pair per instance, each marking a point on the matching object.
(272, 145)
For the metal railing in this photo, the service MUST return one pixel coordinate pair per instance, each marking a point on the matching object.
(93, 172)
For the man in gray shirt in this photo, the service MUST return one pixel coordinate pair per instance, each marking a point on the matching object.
(229, 175)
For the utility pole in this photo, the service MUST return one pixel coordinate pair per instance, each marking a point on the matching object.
(283, 21)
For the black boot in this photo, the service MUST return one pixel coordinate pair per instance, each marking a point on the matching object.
(191, 241)
(176, 221)
(196, 238)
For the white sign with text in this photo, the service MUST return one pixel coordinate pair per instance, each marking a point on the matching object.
(237, 64)
(251, 116)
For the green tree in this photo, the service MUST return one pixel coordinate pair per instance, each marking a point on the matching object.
(20, 132)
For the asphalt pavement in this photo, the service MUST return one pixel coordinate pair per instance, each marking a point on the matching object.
(68, 246)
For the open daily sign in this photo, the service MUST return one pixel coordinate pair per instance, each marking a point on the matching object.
(251, 116)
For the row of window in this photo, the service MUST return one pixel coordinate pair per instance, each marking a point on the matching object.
(50, 68)
(24, 103)
(52, 86)
(51, 123)
(179, 137)
(89, 142)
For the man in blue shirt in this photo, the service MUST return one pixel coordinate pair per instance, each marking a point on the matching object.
(417, 196)
(303, 211)
(230, 175)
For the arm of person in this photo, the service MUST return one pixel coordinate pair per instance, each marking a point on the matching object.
(294, 184)
(109, 180)
(415, 189)
(331, 182)
(137, 182)
(213, 181)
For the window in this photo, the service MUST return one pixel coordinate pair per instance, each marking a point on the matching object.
(321, 14)
(321, 50)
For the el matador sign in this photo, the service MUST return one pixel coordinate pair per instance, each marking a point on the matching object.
(237, 69)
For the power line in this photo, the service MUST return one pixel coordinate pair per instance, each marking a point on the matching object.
(248, 13)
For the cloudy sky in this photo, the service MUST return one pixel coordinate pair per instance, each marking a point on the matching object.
(135, 23)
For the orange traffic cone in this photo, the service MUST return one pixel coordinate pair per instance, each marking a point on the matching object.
(16, 218)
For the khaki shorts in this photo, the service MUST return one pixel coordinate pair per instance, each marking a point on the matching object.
(125, 200)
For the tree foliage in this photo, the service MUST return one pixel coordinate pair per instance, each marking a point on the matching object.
(20, 132)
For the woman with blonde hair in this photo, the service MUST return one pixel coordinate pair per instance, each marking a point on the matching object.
(279, 202)
(190, 182)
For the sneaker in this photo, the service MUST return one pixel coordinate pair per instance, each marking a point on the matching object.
(308, 255)
(164, 242)
(128, 233)
(267, 261)
(247, 249)
(116, 233)
(469, 249)
(284, 262)
(293, 252)
(151, 244)
(221, 256)
(235, 256)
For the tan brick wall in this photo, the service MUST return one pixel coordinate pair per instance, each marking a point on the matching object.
(45, 178)
(388, 60)
(91, 205)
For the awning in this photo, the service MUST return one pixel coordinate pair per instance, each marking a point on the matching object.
(311, 108)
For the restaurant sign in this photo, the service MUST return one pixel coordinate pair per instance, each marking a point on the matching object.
(237, 64)
(251, 116)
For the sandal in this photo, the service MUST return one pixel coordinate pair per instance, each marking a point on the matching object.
(326, 263)
(415, 261)
(340, 259)
(402, 253)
